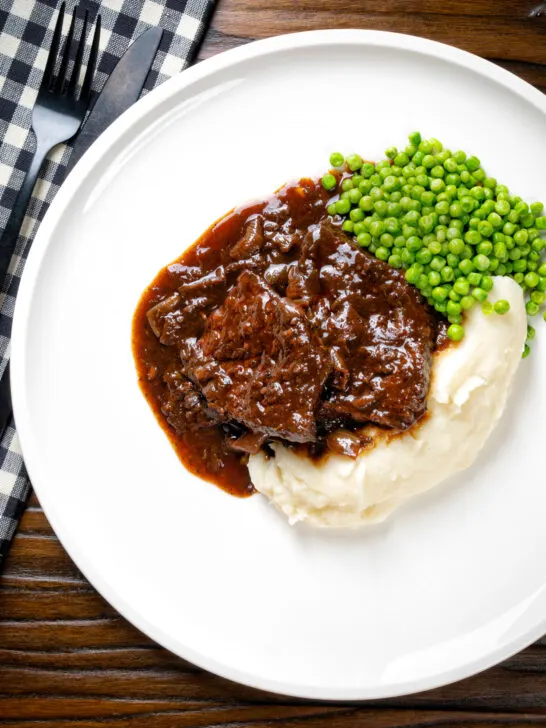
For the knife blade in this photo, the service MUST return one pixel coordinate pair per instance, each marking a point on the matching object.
(120, 91)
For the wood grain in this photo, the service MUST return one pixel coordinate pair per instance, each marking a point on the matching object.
(68, 659)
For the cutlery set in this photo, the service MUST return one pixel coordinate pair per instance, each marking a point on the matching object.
(59, 115)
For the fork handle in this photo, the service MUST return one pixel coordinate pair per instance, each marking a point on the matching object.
(13, 226)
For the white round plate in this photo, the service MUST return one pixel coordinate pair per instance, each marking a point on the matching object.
(449, 585)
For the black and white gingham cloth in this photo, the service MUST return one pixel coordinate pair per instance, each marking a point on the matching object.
(26, 30)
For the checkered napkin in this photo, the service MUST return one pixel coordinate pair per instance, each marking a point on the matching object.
(26, 29)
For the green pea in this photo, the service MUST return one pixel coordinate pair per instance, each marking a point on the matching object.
(437, 263)
(412, 217)
(500, 251)
(456, 246)
(481, 262)
(366, 203)
(437, 186)
(354, 196)
(487, 283)
(413, 275)
(453, 308)
(359, 227)
(466, 266)
(462, 286)
(392, 183)
(414, 243)
(455, 332)
(474, 278)
(434, 278)
(348, 226)
(354, 162)
(423, 256)
(502, 207)
(467, 302)
(485, 248)
(365, 186)
(440, 293)
(473, 237)
(394, 209)
(377, 228)
(343, 207)
(456, 209)
(479, 294)
(495, 220)
(380, 207)
(521, 237)
(337, 159)
(329, 181)
(485, 228)
(532, 279)
(532, 308)
(467, 203)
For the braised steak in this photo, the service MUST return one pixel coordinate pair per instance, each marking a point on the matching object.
(276, 326)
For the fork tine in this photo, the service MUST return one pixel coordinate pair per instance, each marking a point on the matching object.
(54, 49)
(60, 80)
(71, 88)
(91, 63)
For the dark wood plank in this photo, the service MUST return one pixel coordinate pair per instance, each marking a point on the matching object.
(68, 659)
(513, 39)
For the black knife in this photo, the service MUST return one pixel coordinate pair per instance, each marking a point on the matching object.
(120, 91)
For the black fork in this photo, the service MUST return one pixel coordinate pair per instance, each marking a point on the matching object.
(57, 115)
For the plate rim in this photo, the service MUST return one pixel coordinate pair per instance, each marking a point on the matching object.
(69, 189)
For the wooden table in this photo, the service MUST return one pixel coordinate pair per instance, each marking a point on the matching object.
(67, 658)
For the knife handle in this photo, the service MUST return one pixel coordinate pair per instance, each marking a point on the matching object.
(5, 400)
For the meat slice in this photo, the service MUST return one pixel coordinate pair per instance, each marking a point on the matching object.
(157, 314)
(379, 327)
(252, 239)
(259, 363)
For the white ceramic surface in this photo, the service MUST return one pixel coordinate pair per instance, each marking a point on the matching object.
(449, 585)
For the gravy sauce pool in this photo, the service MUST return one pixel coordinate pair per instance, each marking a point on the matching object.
(294, 251)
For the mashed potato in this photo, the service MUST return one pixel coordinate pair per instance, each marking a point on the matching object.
(470, 386)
